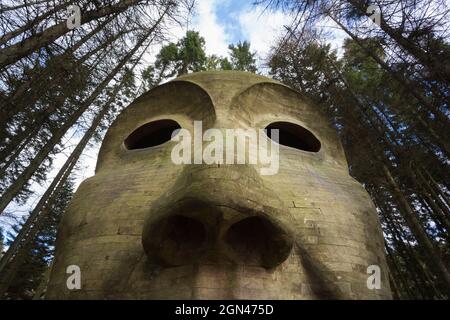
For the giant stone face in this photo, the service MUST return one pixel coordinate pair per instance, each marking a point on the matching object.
(146, 228)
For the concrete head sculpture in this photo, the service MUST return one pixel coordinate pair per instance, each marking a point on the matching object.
(145, 227)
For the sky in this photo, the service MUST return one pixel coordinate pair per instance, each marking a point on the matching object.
(229, 21)
(224, 22)
(220, 22)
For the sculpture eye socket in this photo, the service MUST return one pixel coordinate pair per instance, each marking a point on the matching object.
(151, 134)
(294, 136)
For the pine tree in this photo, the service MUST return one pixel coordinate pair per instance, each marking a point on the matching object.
(174, 59)
(188, 55)
(29, 273)
(242, 58)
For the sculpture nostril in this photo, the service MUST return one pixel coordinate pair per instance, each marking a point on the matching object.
(175, 240)
(256, 240)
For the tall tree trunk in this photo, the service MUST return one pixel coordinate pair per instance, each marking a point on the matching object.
(441, 194)
(416, 227)
(438, 140)
(4, 8)
(409, 255)
(398, 280)
(441, 211)
(39, 293)
(19, 50)
(13, 104)
(31, 128)
(8, 36)
(15, 188)
(7, 275)
(436, 65)
(435, 202)
(403, 81)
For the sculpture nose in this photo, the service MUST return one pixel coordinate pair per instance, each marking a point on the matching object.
(216, 213)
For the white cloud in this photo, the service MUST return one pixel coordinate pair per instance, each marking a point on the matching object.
(206, 22)
(262, 28)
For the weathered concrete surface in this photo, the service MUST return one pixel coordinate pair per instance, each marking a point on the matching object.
(315, 233)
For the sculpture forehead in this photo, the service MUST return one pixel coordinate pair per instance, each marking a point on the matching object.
(223, 86)
(221, 94)
(229, 94)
